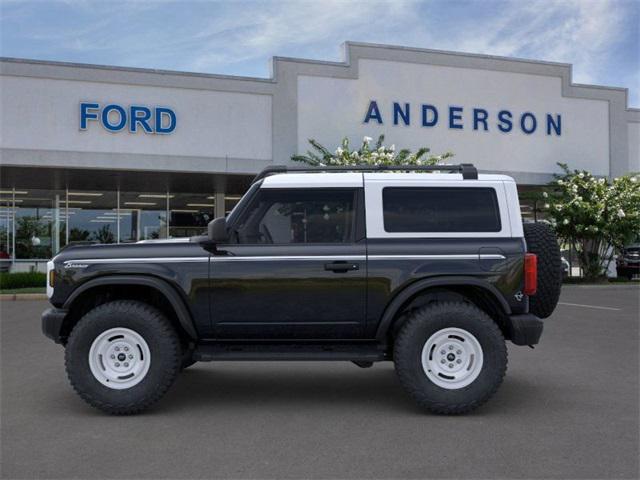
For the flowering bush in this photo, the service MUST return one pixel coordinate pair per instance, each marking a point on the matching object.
(594, 215)
(367, 154)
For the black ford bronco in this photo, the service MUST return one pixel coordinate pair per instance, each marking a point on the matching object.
(433, 271)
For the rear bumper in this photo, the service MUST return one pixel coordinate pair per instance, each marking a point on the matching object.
(526, 329)
(52, 320)
(627, 269)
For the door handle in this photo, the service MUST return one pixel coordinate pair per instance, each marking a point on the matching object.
(341, 267)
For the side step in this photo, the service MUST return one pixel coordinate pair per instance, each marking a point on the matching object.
(228, 351)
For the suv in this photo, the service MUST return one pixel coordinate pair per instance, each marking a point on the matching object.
(428, 270)
(628, 263)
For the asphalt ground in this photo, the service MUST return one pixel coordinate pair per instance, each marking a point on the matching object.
(568, 409)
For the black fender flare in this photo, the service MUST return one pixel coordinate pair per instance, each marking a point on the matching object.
(416, 287)
(182, 312)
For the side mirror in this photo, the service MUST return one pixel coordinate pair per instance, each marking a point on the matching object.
(217, 230)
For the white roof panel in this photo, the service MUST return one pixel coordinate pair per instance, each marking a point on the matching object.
(431, 177)
(313, 180)
(354, 179)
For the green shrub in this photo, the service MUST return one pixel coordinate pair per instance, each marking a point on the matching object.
(22, 280)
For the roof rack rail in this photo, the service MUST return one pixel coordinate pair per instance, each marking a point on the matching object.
(468, 170)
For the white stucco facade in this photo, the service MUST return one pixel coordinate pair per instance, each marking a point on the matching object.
(326, 105)
(237, 125)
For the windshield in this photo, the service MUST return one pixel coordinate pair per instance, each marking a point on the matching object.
(243, 202)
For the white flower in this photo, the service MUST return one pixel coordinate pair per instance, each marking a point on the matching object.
(381, 149)
(560, 182)
(581, 175)
(393, 149)
(339, 151)
(634, 179)
(367, 139)
(621, 213)
(354, 155)
(546, 205)
(565, 221)
(545, 194)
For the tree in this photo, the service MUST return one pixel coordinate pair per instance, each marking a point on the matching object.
(595, 216)
(28, 228)
(104, 234)
(367, 155)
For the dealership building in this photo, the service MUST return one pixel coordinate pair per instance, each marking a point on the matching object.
(112, 154)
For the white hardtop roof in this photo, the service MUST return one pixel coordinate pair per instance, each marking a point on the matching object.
(353, 179)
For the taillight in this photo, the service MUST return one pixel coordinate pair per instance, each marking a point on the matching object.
(530, 274)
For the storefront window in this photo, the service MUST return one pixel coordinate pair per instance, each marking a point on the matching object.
(36, 224)
(144, 216)
(190, 214)
(92, 216)
(6, 227)
(39, 222)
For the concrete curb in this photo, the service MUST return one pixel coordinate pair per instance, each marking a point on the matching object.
(22, 296)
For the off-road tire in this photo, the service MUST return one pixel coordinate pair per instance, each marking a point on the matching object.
(541, 240)
(419, 327)
(165, 360)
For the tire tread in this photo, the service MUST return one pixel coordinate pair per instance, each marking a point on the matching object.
(164, 329)
(542, 241)
(402, 360)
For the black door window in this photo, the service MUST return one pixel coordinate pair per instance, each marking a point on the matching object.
(293, 216)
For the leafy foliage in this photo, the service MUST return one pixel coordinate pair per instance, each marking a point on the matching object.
(367, 154)
(22, 280)
(594, 215)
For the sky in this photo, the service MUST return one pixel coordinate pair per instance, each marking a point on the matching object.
(601, 38)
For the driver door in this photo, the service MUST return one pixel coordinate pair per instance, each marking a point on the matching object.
(296, 268)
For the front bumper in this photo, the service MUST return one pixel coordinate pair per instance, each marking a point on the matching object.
(52, 322)
(525, 329)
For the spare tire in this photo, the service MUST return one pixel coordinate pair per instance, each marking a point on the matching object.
(541, 240)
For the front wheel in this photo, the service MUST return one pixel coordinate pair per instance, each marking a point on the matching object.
(451, 357)
(123, 356)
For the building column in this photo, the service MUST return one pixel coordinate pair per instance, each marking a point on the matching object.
(219, 208)
(55, 230)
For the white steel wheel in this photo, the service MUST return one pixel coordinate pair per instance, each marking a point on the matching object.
(119, 358)
(452, 358)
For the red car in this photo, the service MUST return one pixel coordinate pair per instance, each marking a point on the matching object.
(5, 261)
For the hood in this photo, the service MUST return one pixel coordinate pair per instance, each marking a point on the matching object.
(182, 248)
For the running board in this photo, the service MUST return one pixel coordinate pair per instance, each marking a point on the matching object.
(352, 352)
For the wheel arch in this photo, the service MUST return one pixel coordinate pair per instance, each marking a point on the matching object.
(477, 291)
(171, 298)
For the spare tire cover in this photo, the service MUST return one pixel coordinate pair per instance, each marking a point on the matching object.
(541, 240)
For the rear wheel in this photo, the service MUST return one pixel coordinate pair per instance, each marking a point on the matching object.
(123, 356)
(541, 240)
(451, 357)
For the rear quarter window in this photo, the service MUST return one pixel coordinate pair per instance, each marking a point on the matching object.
(440, 209)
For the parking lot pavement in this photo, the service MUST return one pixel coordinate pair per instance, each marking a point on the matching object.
(569, 408)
